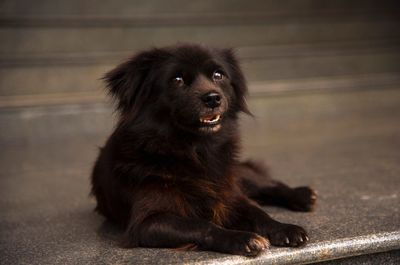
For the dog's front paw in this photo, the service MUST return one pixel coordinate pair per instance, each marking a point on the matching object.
(252, 246)
(287, 235)
(303, 199)
(243, 243)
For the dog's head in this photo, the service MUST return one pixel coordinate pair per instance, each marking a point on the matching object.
(190, 87)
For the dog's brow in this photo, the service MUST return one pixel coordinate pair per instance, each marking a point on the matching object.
(212, 66)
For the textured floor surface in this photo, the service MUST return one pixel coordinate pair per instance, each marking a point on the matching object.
(345, 145)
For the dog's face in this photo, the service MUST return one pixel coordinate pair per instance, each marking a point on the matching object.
(193, 88)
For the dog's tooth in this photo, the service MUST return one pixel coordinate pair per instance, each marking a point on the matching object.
(210, 119)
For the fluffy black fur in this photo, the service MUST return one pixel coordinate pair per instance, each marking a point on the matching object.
(169, 173)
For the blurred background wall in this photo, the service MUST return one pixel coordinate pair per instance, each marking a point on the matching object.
(53, 54)
(54, 51)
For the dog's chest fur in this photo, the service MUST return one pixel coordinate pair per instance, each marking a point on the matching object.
(196, 198)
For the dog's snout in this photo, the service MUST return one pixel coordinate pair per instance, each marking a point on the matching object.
(212, 99)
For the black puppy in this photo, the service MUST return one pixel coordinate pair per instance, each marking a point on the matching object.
(169, 173)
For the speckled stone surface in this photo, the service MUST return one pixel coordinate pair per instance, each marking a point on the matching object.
(382, 258)
(345, 145)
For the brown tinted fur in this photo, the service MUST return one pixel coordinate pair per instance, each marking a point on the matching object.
(173, 181)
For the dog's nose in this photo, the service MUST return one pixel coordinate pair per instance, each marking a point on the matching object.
(212, 99)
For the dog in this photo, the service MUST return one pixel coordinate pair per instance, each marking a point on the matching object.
(169, 173)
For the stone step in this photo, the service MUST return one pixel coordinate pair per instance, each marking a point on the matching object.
(256, 88)
(56, 8)
(322, 65)
(388, 257)
(245, 53)
(332, 250)
(62, 73)
(42, 36)
(345, 145)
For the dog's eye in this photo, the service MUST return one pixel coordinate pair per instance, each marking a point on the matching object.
(217, 75)
(178, 81)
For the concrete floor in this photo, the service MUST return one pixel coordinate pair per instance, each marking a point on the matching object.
(346, 145)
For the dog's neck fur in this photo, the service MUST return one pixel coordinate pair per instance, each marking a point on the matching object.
(212, 154)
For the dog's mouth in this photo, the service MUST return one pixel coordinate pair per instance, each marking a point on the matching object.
(210, 123)
(210, 119)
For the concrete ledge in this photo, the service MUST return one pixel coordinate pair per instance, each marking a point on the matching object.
(329, 250)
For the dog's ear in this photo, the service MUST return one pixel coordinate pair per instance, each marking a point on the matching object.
(128, 82)
(238, 80)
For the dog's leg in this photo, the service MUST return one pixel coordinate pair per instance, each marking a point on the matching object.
(258, 185)
(251, 217)
(171, 231)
